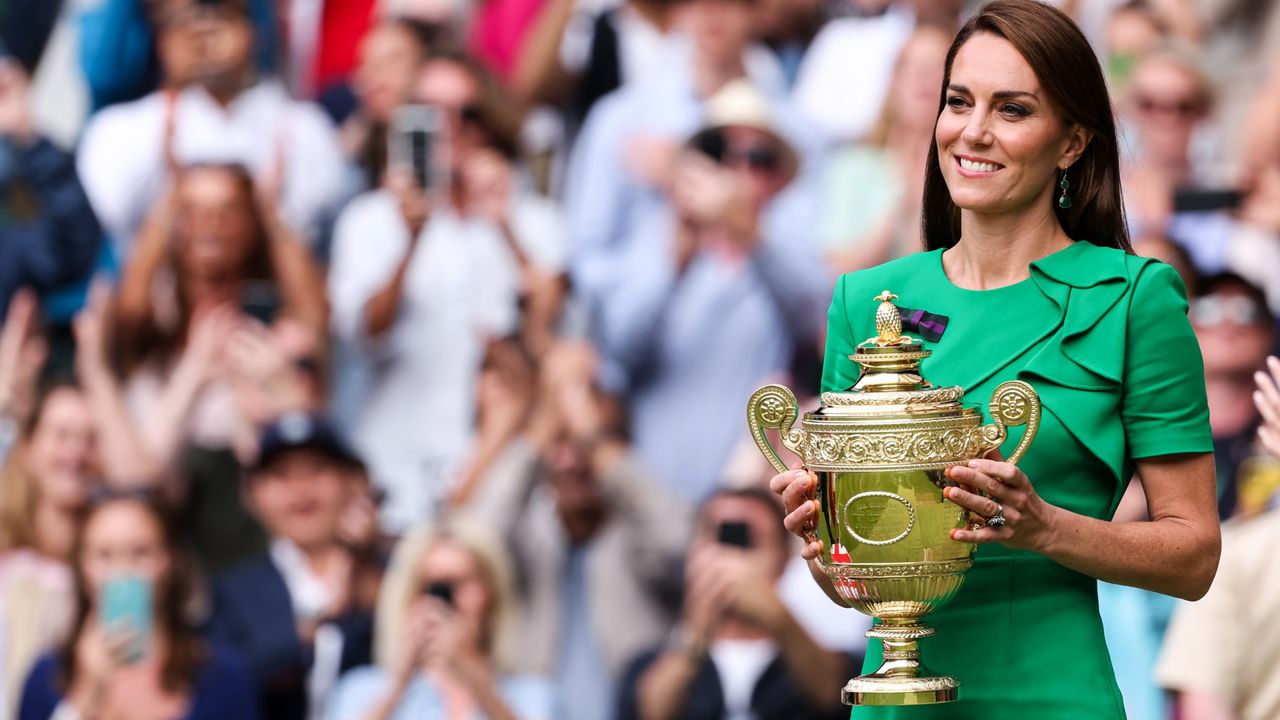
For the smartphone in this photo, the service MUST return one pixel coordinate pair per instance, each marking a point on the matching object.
(734, 533)
(259, 301)
(416, 141)
(1203, 200)
(125, 602)
(442, 590)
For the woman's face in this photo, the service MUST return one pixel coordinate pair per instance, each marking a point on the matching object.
(389, 62)
(918, 76)
(123, 538)
(1000, 141)
(450, 87)
(215, 223)
(60, 450)
(450, 563)
(1166, 103)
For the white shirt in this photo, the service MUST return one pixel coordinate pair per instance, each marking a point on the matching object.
(414, 419)
(311, 596)
(740, 663)
(844, 79)
(641, 44)
(122, 167)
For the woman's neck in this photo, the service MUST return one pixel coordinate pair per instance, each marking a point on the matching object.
(210, 290)
(995, 250)
(55, 529)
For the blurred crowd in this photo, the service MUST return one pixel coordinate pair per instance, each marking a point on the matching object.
(293, 429)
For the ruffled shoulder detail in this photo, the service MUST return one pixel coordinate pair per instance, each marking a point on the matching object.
(1079, 371)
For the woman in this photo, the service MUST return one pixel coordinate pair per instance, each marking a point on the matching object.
(872, 188)
(154, 667)
(43, 487)
(444, 629)
(220, 317)
(1035, 272)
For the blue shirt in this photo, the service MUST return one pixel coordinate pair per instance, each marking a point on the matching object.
(222, 689)
(530, 698)
(688, 347)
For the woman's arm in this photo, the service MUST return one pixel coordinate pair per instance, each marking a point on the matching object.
(301, 284)
(134, 302)
(1175, 552)
(125, 458)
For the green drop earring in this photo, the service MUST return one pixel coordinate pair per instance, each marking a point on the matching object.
(1064, 201)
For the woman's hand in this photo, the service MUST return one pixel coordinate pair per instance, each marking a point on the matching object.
(1267, 398)
(1028, 519)
(797, 489)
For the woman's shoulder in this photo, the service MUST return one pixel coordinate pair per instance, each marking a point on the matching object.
(893, 275)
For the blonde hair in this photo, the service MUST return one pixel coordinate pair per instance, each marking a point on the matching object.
(17, 501)
(401, 584)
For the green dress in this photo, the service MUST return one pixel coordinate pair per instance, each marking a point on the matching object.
(1103, 337)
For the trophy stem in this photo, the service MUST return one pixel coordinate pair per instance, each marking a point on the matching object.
(901, 678)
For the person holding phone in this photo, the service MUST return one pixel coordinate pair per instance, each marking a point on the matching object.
(445, 648)
(134, 653)
(425, 270)
(738, 652)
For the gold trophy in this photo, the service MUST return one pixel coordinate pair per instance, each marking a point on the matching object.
(879, 452)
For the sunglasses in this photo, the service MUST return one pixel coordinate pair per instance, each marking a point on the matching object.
(1217, 310)
(765, 157)
(1183, 108)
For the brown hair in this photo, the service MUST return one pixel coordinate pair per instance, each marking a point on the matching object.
(186, 650)
(1069, 72)
(135, 345)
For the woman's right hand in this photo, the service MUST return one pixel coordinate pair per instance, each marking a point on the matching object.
(797, 488)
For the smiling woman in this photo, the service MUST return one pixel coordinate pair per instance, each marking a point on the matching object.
(1029, 262)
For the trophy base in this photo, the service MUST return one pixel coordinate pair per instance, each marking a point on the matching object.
(873, 690)
(901, 679)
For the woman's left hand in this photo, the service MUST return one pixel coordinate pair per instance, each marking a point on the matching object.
(1028, 519)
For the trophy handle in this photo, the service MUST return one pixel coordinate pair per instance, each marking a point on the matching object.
(1014, 403)
(774, 407)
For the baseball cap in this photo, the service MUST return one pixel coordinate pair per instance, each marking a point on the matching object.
(300, 430)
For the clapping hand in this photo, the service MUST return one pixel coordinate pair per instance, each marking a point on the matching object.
(22, 354)
(1267, 398)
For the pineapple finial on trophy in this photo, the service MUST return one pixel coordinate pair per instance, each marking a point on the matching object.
(888, 321)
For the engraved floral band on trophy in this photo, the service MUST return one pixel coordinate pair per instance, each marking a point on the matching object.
(879, 451)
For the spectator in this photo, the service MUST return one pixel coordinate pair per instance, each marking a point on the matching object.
(296, 612)
(712, 299)
(738, 651)
(843, 106)
(420, 279)
(1133, 30)
(576, 54)
(117, 48)
(1235, 332)
(50, 238)
(390, 60)
(625, 154)
(45, 482)
(212, 111)
(872, 190)
(220, 319)
(594, 539)
(1168, 102)
(150, 665)
(1221, 656)
(69, 439)
(445, 618)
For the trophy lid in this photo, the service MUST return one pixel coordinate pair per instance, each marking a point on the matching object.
(891, 382)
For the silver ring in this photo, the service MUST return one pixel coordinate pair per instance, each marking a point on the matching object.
(997, 520)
